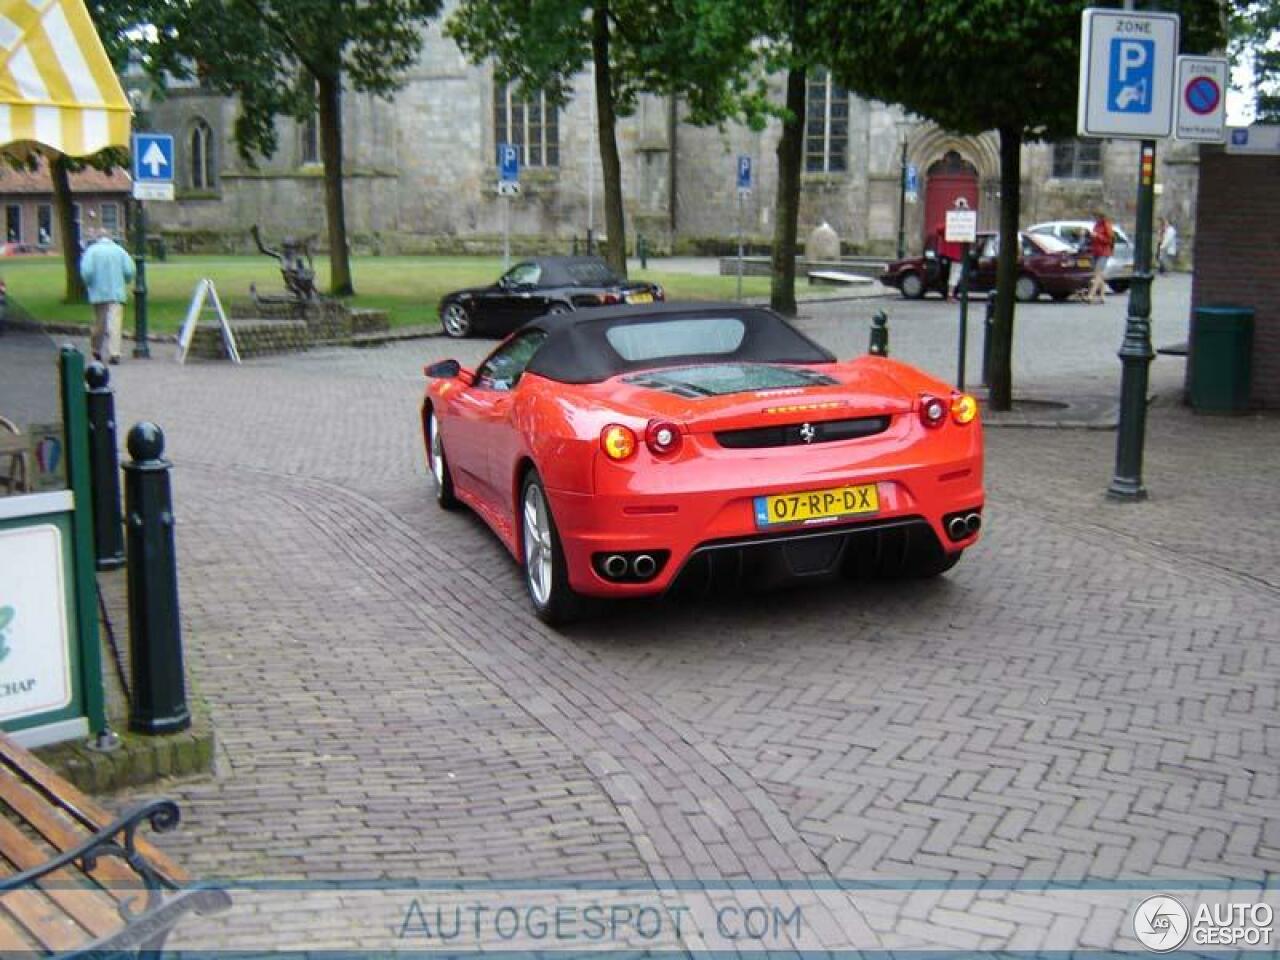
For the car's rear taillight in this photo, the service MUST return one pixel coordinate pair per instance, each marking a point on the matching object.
(617, 442)
(933, 410)
(964, 408)
(662, 437)
(610, 298)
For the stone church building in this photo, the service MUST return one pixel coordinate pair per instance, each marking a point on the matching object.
(421, 171)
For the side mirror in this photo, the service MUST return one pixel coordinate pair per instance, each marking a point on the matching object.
(442, 369)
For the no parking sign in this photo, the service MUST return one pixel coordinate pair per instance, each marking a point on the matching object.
(1202, 99)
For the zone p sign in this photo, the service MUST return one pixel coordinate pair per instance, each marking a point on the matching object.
(1127, 66)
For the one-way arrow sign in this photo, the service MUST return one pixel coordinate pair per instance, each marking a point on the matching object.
(153, 166)
(154, 159)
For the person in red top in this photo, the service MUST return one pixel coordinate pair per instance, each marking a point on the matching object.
(1102, 243)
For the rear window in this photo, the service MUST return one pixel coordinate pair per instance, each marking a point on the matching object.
(687, 337)
(1051, 244)
(591, 274)
(600, 344)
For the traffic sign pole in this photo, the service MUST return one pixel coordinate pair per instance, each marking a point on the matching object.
(739, 244)
(1135, 352)
(744, 191)
(964, 315)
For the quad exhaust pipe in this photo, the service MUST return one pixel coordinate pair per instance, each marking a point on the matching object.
(615, 566)
(644, 566)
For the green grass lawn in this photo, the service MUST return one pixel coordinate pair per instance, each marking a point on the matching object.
(408, 288)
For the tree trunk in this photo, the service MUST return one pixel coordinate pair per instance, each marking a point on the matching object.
(782, 291)
(1001, 396)
(329, 91)
(615, 224)
(60, 174)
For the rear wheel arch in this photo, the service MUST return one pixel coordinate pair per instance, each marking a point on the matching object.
(523, 467)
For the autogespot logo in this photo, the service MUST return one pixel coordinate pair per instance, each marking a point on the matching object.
(1161, 924)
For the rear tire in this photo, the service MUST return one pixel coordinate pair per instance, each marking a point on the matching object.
(546, 574)
(1026, 289)
(912, 286)
(456, 321)
(558, 308)
(927, 568)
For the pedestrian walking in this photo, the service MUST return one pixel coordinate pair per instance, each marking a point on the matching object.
(1167, 248)
(107, 270)
(1102, 243)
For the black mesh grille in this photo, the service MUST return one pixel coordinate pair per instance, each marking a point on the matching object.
(800, 434)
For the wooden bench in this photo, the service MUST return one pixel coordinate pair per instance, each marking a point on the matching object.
(75, 880)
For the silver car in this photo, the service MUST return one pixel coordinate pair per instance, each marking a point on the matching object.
(1078, 232)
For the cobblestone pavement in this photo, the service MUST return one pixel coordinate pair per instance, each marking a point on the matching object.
(1090, 695)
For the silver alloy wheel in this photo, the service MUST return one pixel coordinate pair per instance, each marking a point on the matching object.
(455, 320)
(912, 286)
(537, 544)
(437, 455)
(1026, 289)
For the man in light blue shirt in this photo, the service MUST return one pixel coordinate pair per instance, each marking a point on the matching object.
(107, 271)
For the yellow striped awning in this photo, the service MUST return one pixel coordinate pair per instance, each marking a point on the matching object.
(57, 87)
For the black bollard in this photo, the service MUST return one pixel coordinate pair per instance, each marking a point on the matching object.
(591, 243)
(879, 345)
(642, 250)
(987, 327)
(575, 244)
(104, 469)
(159, 699)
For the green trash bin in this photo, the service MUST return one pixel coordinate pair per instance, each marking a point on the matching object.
(1221, 359)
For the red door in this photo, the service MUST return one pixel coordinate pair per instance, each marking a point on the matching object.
(948, 180)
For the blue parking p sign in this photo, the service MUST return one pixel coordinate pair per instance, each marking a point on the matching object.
(508, 163)
(1131, 78)
(744, 172)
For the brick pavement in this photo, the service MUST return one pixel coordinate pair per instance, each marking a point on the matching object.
(1090, 696)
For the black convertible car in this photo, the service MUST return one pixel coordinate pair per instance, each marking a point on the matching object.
(537, 286)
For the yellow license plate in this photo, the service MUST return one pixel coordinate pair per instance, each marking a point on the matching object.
(1084, 262)
(640, 298)
(816, 506)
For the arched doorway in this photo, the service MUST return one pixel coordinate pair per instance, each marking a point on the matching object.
(948, 180)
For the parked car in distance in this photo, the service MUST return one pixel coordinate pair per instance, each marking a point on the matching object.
(1045, 265)
(625, 452)
(538, 286)
(1078, 232)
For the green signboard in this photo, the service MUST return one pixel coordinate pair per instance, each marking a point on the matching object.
(50, 661)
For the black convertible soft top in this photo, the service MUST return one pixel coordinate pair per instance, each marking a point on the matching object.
(580, 347)
(574, 272)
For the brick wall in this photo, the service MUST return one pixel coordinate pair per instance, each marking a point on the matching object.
(1237, 253)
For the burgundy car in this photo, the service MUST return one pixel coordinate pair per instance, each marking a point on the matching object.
(1045, 265)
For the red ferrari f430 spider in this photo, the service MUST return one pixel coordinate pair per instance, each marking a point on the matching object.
(630, 451)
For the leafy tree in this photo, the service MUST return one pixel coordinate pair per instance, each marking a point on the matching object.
(1254, 31)
(1003, 65)
(792, 47)
(695, 49)
(293, 58)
